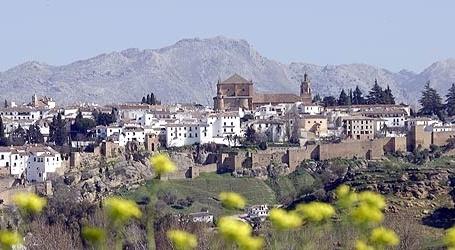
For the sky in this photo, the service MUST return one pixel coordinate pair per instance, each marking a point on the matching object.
(393, 34)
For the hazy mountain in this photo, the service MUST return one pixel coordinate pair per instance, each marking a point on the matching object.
(188, 71)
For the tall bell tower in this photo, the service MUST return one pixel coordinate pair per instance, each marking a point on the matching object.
(305, 90)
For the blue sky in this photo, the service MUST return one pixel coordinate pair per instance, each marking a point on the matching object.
(394, 34)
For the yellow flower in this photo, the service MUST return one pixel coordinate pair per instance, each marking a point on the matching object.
(342, 191)
(283, 220)
(372, 199)
(449, 238)
(182, 240)
(346, 198)
(382, 236)
(29, 202)
(366, 214)
(361, 245)
(250, 243)
(120, 210)
(94, 235)
(316, 211)
(233, 229)
(232, 200)
(162, 164)
(9, 239)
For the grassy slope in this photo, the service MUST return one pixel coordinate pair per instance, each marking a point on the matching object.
(205, 190)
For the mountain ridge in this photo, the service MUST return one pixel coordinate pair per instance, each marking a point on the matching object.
(187, 71)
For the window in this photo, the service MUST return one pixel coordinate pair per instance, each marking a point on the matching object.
(2, 157)
(232, 123)
(195, 134)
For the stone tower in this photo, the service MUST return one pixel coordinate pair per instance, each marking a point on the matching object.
(218, 100)
(305, 90)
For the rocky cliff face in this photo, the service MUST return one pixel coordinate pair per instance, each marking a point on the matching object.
(179, 73)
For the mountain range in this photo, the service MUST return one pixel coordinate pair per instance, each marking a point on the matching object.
(188, 70)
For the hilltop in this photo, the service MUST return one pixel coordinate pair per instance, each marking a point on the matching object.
(179, 73)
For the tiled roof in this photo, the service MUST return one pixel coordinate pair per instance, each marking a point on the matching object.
(276, 98)
(235, 78)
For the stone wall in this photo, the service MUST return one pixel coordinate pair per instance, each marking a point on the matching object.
(198, 169)
(416, 137)
(264, 158)
(296, 156)
(350, 149)
(440, 138)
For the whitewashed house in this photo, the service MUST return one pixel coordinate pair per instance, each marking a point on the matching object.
(201, 217)
(258, 211)
(41, 162)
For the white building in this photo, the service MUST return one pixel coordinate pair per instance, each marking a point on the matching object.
(201, 217)
(218, 128)
(179, 135)
(258, 211)
(32, 162)
(311, 109)
(131, 134)
(41, 162)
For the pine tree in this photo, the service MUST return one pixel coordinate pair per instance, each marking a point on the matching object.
(388, 97)
(18, 137)
(430, 101)
(450, 101)
(148, 99)
(350, 97)
(375, 96)
(3, 139)
(357, 97)
(343, 99)
(329, 101)
(34, 134)
(317, 98)
(58, 130)
(143, 100)
(152, 99)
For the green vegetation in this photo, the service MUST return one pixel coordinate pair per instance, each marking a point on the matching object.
(202, 192)
(290, 187)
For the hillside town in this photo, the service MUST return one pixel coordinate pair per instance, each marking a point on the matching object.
(40, 138)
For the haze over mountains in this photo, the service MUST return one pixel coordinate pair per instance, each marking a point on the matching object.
(188, 70)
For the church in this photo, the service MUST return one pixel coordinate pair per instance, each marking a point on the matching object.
(236, 92)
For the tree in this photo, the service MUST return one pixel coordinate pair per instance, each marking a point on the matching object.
(450, 101)
(430, 101)
(388, 97)
(81, 125)
(3, 139)
(317, 98)
(34, 134)
(143, 100)
(57, 131)
(152, 99)
(343, 99)
(376, 94)
(329, 101)
(148, 100)
(18, 137)
(357, 97)
(350, 97)
(250, 134)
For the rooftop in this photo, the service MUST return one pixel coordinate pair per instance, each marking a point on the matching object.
(235, 78)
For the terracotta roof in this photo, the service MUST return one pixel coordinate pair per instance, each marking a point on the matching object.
(235, 78)
(276, 98)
